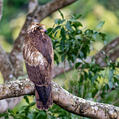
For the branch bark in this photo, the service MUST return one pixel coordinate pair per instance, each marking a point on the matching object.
(62, 98)
(7, 73)
(5, 65)
(32, 5)
(111, 50)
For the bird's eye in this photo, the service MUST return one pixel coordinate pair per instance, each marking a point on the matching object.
(40, 27)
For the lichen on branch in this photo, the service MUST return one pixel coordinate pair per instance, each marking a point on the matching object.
(62, 98)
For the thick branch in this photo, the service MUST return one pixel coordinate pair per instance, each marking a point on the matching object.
(111, 50)
(62, 68)
(5, 65)
(7, 72)
(32, 5)
(63, 98)
(45, 10)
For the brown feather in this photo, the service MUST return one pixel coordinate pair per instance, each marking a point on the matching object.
(38, 55)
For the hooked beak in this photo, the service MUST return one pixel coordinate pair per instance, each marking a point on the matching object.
(43, 29)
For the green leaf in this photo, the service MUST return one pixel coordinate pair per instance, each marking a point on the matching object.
(59, 21)
(100, 25)
(63, 58)
(78, 37)
(75, 23)
(102, 35)
(2, 114)
(49, 30)
(110, 83)
(77, 64)
(26, 99)
(6, 116)
(93, 78)
(89, 32)
(111, 73)
(57, 28)
(81, 54)
(56, 58)
(79, 32)
(31, 115)
(76, 16)
(61, 14)
(32, 104)
(63, 33)
(41, 115)
(68, 26)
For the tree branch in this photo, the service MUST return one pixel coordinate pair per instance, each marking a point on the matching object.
(7, 73)
(111, 50)
(62, 98)
(32, 5)
(5, 65)
(39, 13)
(62, 68)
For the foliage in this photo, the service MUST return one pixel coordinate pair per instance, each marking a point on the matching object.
(69, 41)
(100, 82)
(28, 111)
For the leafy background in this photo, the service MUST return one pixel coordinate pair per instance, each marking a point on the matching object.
(77, 31)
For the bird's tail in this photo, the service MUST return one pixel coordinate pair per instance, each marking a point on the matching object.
(43, 96)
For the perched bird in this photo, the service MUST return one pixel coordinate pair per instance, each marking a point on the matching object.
(38, 56)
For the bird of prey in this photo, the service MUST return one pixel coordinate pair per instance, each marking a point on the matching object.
(38, 56)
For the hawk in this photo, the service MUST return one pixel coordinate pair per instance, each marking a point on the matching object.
(38, 56)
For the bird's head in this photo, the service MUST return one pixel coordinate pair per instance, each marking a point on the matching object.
(34, 26)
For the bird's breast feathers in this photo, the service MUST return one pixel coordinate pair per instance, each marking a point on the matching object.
(32, 56)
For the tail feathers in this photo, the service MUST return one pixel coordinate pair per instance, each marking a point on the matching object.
(43, 97)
